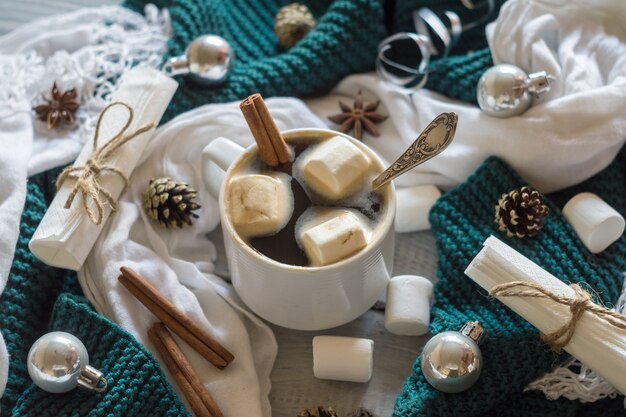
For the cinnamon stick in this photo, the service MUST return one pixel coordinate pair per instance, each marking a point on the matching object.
(175, 319)
(278, 143)
(272, 146)
(266, 150)
(199, 398)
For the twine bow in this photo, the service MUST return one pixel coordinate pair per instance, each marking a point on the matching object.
(578, 305)
(87, 182)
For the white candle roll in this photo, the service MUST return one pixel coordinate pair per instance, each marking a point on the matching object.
(343, 358)
(409, 299)
(596, 223)
(412, 207)
(595, 343)
(65, 237)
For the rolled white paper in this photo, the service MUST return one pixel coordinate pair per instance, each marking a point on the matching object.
(409, 299)
(412, 207)
(595, 222)
(65, 237)
(343, 358)
(596, 343)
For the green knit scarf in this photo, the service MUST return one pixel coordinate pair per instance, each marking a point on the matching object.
(513, 355)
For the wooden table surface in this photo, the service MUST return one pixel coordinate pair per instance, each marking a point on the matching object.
(293, 384)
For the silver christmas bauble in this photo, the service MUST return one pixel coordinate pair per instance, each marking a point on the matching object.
(208, 60)
(506, 90)
(452, 361)
(58, 362)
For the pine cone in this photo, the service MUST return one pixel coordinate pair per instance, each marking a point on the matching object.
(169, 202)
(292, 23)
(521, 212)
(318, 412)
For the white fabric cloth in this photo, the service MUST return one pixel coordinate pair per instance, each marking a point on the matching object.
(16, 138)
(88, 50)
(568, 136)
(180, 262)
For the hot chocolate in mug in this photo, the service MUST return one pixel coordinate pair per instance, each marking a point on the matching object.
(302, 297)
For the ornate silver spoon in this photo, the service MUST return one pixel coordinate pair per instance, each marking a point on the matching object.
(432, 141)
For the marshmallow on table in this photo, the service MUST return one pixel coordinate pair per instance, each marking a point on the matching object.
(409, 299)
(596, 223)
(335, 168)
(343, 358)
(260, 204)
(334, 239)
(412, 207)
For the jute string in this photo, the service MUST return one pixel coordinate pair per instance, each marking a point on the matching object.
(87, 176)
(578, 305)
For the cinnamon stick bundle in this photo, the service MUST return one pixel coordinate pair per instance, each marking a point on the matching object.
(175, 319)
(273, 149)
(202, 403)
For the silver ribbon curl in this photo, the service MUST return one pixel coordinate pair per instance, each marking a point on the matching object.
(432, 37)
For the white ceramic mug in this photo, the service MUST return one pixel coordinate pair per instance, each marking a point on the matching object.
(296, 297)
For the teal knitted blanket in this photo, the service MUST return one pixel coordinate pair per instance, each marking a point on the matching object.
(513, 355)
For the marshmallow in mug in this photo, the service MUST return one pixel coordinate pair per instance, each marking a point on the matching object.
(596, 223)
(342, 358)
(260, 204)
(336, 168)
(330, 235)
(413, 206)
(409, 298)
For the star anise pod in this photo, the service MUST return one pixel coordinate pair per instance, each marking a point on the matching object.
(362, 116)
(60, 107)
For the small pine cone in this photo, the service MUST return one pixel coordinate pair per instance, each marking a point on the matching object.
(361, 412)
(521, 212)
(318, 412)
(292, 23)
(169, 202)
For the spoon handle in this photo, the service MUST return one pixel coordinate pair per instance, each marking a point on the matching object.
(432, 141)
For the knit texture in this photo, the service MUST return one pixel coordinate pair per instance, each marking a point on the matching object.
(343, 42)
(137, 387)
(514, 356)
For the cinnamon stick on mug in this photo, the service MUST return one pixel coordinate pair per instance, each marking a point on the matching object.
(202, 403)
(273, 149)
(175, 319)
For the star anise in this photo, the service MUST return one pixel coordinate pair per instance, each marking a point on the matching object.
(362, 116)
(60, 107)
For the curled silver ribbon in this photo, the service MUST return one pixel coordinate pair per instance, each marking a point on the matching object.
(432, 37)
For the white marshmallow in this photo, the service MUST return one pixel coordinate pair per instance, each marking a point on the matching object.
(335, 168)
(412, 207)
(331, 240)
(409, 299)
(343, 358)
(260, 204)
(596, 223)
